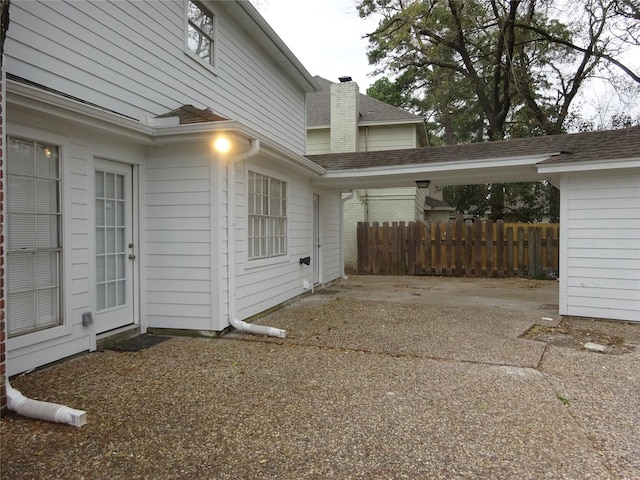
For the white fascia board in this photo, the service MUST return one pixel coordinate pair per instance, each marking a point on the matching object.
(384, 123)
(504, 162)
(164, 135)
(376, 123)
(32, 98)
(589, 166)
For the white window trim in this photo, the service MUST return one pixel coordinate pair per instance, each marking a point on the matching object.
(212, 68)
(66, 298)
(250, 264)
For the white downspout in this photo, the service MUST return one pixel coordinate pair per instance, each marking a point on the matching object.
(231, 249)
(344, 200)
(51, 412)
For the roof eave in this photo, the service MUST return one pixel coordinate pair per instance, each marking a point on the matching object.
(566, 167)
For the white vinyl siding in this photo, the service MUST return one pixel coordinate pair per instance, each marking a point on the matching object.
(387, 137)
(267, 233)
(178, 238)
(603, 235)
(129, 57)
(34, 236)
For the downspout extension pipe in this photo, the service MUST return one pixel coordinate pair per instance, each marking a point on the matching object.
(51, 412)
(231, 253)
(343, 275)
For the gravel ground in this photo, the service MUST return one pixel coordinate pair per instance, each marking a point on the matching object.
(361, 388)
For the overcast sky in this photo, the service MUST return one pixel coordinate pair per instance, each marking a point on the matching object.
(325, 35)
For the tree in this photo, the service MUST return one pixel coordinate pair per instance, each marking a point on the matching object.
(514, 61)
(495, 69)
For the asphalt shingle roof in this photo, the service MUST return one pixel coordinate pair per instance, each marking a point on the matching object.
(190, 114)
(578, 147)
(371, 110)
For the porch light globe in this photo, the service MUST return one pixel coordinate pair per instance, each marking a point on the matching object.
(222, 145)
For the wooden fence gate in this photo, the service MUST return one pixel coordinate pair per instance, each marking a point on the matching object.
(459, 248)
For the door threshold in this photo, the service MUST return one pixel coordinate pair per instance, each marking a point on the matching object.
(117, 334)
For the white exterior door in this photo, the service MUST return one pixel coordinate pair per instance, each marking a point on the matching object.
(316, 239)
(114, 245)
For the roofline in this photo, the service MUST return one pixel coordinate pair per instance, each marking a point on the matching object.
(375, 123)
(442, 166)
(56, 104)
(562, 167)
(136, 131)
(195, 131)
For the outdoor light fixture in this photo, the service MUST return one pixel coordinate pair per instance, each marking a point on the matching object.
(222, 145)
(423, 183)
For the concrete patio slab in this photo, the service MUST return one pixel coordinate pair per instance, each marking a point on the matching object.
(362, 388)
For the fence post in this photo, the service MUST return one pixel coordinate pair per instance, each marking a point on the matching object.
(509, 251)
(478, 247)
(375, 249)
(412, 247)
(534, 251)
(500, 247)
(402, 249)
(468, 259)
(520, 251)
(437, 248)
(448, 241)
(427, 247)
(488, 226)
(550, 267)
(459, 254)
(363, 254)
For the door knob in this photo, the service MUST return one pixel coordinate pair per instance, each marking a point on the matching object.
(131, 256)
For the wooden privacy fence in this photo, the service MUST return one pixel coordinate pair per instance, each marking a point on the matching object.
(458, 248)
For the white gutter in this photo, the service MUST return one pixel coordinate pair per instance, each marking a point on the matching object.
(51, 412)
(231, 249)
(344, 200)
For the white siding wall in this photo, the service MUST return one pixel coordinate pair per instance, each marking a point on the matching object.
(387, 137)
(262, 284)
(78, 150)
(355, 210)
(318, 141)
(330, 235)
(129, 57)
(178, 238)
(601, 275)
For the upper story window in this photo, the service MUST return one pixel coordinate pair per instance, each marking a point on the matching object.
(201, 30)
(267, 233)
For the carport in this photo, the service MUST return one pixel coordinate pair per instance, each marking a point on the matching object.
(598, 174)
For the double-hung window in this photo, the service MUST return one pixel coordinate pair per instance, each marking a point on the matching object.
(201, 32)
(267, 233)
(34, 246)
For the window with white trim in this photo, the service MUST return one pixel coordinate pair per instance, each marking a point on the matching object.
(34, 243)
(267, 233)
(201, 32)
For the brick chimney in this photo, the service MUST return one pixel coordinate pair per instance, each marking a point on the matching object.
(344, 116)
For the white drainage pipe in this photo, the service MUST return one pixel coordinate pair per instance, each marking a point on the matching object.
(343, 275)
(51, 412)
(258, 329)
(231, 253)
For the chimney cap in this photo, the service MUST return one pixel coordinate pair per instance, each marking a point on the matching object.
(345, 79)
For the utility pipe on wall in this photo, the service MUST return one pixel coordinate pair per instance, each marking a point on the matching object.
(51, 412)
(231, 249)
(344, 201)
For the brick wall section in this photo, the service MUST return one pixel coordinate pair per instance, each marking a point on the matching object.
(3, 326)
(344, 117)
